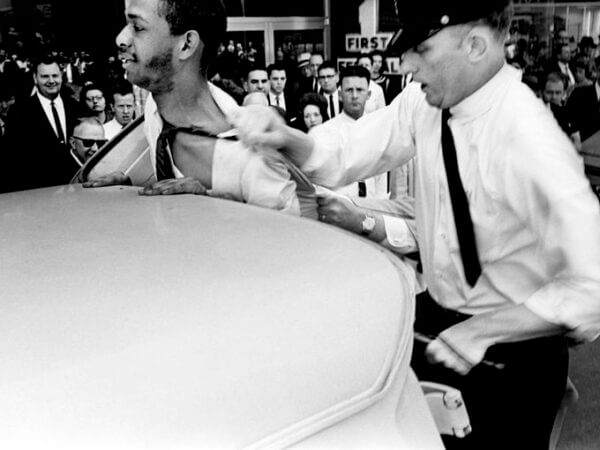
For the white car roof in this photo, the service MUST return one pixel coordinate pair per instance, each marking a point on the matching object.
(174, 321)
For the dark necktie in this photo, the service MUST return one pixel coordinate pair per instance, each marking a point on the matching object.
(315, 85)
(277, 101)
(460, 205)
(362, 189)
(331, 107)
(57, 122)
(164, 166)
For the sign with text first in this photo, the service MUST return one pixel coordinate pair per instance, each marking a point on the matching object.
(357, 43)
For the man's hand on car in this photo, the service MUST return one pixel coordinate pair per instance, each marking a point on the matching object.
(187, 185)
(339, 211)
(111, 179)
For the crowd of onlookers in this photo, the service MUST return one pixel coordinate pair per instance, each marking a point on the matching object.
(304, 87)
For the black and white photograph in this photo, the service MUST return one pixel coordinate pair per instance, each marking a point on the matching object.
(316, 224)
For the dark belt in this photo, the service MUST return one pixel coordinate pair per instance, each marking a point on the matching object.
(431, 318)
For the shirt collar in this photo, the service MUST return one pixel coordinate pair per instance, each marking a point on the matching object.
(47, 102)
(482, 100)
(223, 100)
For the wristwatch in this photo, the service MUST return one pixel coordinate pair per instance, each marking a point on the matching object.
(368, 224)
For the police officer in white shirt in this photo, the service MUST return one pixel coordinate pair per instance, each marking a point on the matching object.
(507, 225)
(354, 92)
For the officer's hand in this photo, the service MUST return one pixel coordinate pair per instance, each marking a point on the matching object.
(260, 126)
(187, 185)
(339, 211)
(456, 349)
(112, 179)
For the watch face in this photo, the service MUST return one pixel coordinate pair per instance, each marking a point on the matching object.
(368, 225)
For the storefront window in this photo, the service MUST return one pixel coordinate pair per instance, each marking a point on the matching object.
(274, 8)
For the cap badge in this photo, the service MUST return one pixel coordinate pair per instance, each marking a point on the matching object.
(445, 20)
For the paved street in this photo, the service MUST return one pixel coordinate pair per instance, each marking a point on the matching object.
(581, 429)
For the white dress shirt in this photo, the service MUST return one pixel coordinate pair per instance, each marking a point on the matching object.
(60, 109)
(273, 100)
(111, 129)
(254, 176)
(376, 186)
(536, 220)
(376, 100)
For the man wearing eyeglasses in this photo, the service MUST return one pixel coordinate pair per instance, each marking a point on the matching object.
(88, 137)
(328, 80)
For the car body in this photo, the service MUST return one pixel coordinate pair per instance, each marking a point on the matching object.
(191, 322)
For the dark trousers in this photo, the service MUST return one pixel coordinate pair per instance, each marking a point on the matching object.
(509, 408)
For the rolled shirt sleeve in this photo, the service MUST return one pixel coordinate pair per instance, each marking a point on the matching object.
(547, 189)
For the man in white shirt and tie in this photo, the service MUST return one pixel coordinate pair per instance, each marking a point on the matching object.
(506, 222)
(355, 93)
(328, 79)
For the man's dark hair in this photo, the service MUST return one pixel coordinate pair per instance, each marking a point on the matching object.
(555, 77)
(253, 68)
(45, 59)
(355, 71)
(328, 65)
(122, 88)
(499, 20)
(207, 17)
(365, 55)
(276, 66)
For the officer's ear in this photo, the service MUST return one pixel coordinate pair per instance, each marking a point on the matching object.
(477, 42)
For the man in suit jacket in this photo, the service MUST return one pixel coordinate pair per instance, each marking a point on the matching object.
(328, 80)
(584, 109)
(278, 94)
(37, 133)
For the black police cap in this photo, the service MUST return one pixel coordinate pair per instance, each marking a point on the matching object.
(421, 19)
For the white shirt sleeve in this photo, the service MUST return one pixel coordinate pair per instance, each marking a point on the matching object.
(547, 190)
(339, 157)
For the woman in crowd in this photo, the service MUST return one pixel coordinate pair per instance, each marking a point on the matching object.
(312, 111)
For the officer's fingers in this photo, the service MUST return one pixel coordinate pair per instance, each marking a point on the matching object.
(439, 353)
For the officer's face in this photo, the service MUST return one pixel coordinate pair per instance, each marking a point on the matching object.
(441, 65)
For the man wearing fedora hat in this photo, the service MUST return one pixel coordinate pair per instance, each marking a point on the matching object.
(506, 223)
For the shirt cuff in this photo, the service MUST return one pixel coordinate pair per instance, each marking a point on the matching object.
(399, 235)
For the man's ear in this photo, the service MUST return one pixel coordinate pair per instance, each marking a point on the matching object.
(478, 43)
(189, 44)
